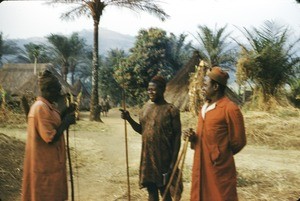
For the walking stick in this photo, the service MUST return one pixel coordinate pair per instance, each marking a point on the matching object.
(70, 166)
(181, 167)
(126, 146)
(182, 154)
(68, 150)
(67, 101)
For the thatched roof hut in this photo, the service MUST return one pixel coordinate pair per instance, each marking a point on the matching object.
(20, 79)
(177, 91)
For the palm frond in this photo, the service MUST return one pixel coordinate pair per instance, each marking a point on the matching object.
(148, 6)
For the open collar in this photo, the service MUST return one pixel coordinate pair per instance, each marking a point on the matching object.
(220, 103)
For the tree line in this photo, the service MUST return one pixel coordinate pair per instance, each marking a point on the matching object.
(268, 63)
(156, 52)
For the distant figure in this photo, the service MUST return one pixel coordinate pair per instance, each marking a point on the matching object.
(105, 107)
(160, 128)
(44, 174)
(220, 135)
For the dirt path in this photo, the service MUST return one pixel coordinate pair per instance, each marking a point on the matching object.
(103, 174)
(99, 166)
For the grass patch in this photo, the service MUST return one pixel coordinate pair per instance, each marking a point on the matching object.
(273, 130)
(265, 186)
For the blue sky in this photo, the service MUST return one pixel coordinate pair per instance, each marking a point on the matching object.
(24, 19)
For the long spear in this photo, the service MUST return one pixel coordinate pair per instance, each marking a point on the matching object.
(126, 144)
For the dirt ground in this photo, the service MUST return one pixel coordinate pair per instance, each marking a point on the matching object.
(99, 164)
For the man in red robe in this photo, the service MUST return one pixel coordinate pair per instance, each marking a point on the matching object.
(220, 135)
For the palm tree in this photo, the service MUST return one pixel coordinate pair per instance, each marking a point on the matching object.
(61, 48)
(33, 53)
(269, 60)
(67, 51)
(77, 53)
(215, 49)
(94, 9)
(7, 47)
(178, 51)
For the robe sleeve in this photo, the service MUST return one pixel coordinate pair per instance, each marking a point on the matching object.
(176, 126)
(45, 123)
(236, 129)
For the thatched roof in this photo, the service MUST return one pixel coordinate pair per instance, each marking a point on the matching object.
(19, 80)
(177, 91)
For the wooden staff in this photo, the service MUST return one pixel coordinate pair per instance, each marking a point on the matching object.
(69, 155)
(126, 146)
(181, 167)
(182, 154)
(70, 166)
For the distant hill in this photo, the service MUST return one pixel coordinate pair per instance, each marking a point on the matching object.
(107, 40)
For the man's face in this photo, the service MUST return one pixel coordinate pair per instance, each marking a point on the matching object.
(53, 94)
(209, 90)
(155, 92)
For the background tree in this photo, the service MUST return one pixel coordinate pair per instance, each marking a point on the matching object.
(147, 58)
(33, 53)
(6, 48)
(66, 50)
(178, 51)
(77, 53)
(61, 49)
(268, 61)
(94, 9)
(84, 70)
(215, 47)
(107, 84)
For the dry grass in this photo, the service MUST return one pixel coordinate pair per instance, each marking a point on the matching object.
(13, 119)
(278, 129)
(265, 186)
(12, 152)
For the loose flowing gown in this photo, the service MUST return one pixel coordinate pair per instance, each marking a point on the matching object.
(44, 175)
(161, 130)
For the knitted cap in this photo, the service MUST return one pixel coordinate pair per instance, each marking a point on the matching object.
(218, 75)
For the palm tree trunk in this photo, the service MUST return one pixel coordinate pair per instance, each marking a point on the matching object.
(94, 107)
(72, 69)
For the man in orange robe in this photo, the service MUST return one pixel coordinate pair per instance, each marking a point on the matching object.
(220, 134)
(44, 174)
